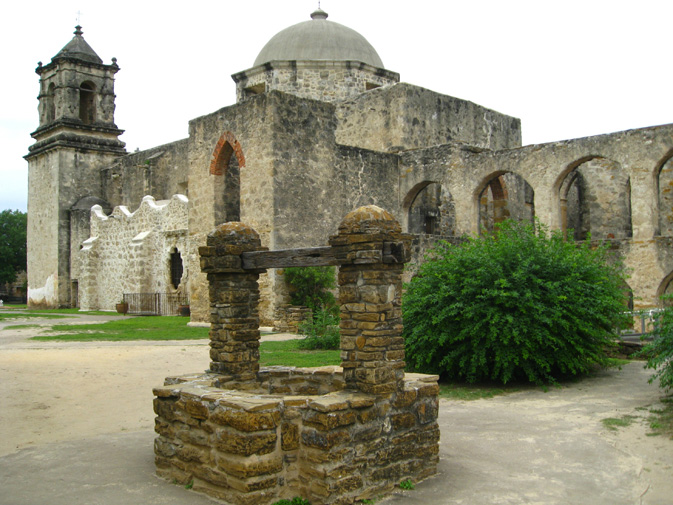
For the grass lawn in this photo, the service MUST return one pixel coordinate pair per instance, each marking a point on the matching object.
(288, 353)
(131, 328)
(26, 315)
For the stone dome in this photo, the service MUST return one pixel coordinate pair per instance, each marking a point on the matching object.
(319, 39)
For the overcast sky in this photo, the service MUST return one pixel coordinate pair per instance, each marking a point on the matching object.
(566, 69)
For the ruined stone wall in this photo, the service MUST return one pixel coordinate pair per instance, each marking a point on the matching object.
(404, 116)
(328, 81)
(160, 171)
(622, 174)
(130, 252)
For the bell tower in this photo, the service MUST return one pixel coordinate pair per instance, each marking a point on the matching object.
(76, 137)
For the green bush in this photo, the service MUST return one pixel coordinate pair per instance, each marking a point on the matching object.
(321, 331)
(518, 304)
(659, 352)
(309, 286)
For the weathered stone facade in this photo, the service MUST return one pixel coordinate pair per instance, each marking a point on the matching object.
(331, 435)
(131, 252)
(318, 140)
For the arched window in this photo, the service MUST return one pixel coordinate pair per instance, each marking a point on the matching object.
(176, 268)
(227, 162)
(87, 105)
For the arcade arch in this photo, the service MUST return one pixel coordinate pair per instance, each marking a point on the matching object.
(430, 209)
(505, 195)
(595, 199)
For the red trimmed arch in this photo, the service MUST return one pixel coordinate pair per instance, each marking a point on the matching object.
(225, 147)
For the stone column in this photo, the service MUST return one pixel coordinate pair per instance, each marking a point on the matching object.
(371, 251)
(234, 300)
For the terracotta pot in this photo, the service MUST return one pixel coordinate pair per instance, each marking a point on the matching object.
(183, 310)
(122, 308)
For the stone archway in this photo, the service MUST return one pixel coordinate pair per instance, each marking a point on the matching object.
(430, 209)
(595, 199)
(665, 195)
(504, 195)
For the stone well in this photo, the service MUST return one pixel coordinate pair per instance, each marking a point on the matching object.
(332, 435)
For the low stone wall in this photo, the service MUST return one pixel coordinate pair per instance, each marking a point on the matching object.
(254, 447)
(287, 318)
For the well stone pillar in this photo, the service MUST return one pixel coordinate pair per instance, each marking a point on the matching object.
(234, 300)
(371, 250)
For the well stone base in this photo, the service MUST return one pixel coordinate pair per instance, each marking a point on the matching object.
(312, 438)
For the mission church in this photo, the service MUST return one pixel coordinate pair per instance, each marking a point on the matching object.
(319, 128)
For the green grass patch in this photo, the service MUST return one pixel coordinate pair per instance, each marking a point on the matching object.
(661, 419)
(132, 328)
(25, 315)
(22, 326)
(469, 392)
(612, 423)
(287, 352)
(617, 362)
(72, 311)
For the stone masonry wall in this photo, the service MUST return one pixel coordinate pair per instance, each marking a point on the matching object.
(327, 81)
(402, 117)
(57, 180)
(251, 126)
(160, 171)
(130, 252)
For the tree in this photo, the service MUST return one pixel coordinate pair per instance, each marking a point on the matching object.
(13, 226)
(659, 352)
(310, 286)
(520, 303)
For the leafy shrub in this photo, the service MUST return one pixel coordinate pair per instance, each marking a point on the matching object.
(309, 286)
(659, 352)
(321, 331)
(514, 305)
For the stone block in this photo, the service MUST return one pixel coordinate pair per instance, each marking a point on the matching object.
(330, 420)
(403, 421)
(289, 436)
(244, 468)
(245, 421)
(245, 444)
(320, 440)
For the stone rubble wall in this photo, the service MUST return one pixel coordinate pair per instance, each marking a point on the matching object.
(328, 81)
(130, 252)
(287, 318)
(253, 448)
(403, 117)
(161, 171)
